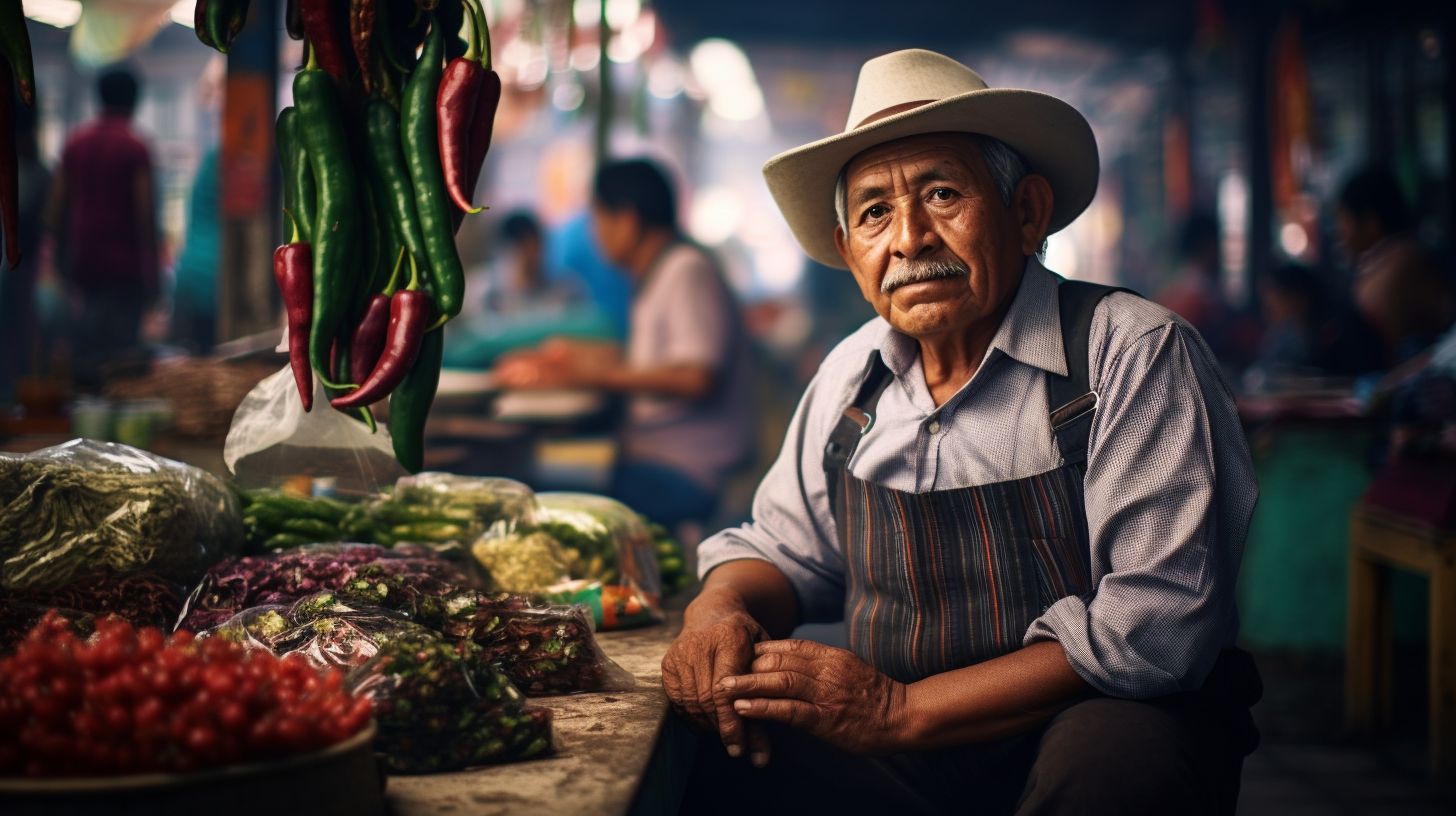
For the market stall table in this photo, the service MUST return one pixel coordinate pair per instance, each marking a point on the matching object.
(605, 745)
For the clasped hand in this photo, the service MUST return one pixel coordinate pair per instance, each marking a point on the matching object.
(726, 674)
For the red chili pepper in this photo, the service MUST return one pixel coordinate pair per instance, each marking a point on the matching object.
(410, 313)
(367, 344)
(361, 34)
(323, 27)
(466, 104)
(293, 270)
(455, 104)
(9, 169)
(483, 124)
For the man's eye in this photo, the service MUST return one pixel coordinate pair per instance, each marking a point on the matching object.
(877, 211)
(942, 194)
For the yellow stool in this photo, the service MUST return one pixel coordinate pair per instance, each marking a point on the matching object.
(1379, 541)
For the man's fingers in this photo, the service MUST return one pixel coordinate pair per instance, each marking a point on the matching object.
(770, 684)
(794, 713)
(730, 727)
(758, 743)
(782, 662)
(807, 648)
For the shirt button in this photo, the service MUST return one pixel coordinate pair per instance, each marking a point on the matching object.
(933, 427)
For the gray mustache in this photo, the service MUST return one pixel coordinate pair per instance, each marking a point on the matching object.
(917, 271)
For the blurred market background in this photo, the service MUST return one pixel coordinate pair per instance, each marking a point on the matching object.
(1260, 160)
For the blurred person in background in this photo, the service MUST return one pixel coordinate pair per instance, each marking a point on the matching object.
(1310, 331)
(685, 369)
(103, 214)
(18, 323)
(194, 290)
(519, 282)
(1396, 287)
(574, 257)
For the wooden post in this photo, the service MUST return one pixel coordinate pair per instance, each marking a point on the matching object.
(1368, 637)
(248, 179)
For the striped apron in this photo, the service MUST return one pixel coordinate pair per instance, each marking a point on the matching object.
(942, 580)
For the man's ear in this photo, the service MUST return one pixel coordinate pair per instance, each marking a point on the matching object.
(841, 243)
(1032, 208)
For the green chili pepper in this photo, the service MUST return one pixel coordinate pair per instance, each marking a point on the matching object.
(298, 188)
(336, 231)
(422, 150)
(410, 405)
(225, 19)
(387, 162)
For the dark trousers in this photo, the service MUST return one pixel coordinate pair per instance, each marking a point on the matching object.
(1180, 754)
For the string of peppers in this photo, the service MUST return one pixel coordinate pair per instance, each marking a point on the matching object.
(16, 69)
(380, 153)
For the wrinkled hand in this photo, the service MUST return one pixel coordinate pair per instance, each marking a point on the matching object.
(693, 667)
(829, 693)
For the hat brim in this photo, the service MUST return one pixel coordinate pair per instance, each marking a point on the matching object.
(1053, 138)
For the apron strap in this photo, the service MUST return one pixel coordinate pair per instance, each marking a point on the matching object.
(856, 421)
(1071, 398)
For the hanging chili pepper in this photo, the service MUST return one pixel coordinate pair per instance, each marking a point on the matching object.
(225, 19)
(388, 165)
(361, 36)
(293, 20)
(293, 270)
(15, 47)
(199, 23)
(455, 109)
(299, 190)
(323, 27)
(410, 312)
(335, 232)
(9, 170)
(487, 102)
(409, 407)
(422, 150)
(368, 341)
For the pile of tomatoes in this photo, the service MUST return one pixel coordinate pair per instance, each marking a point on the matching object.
(129, 700)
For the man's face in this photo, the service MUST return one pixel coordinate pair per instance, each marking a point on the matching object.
(925, 209)
(617, 232)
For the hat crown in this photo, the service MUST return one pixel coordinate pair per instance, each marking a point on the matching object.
(904, 79)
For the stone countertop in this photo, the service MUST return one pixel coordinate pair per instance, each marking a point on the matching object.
(604, 743)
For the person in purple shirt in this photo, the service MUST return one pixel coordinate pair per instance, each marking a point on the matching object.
(103, 213)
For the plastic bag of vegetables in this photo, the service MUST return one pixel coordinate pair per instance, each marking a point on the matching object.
(605, 542)
(545, 649)
(242, 583)
(440, 704)
(87, 509)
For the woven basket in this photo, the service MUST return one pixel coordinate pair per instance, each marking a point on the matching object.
(203, 392)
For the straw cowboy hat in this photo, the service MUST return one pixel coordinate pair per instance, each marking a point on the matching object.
(911, 92)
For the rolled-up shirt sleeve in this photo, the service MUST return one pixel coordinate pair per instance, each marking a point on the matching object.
(1170, 490)
(792, 526)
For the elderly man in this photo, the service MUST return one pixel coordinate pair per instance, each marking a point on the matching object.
(1026, 497)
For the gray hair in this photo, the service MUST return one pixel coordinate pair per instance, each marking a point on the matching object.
(1006, 166)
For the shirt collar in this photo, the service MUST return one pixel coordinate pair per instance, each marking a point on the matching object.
(1031, 332)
